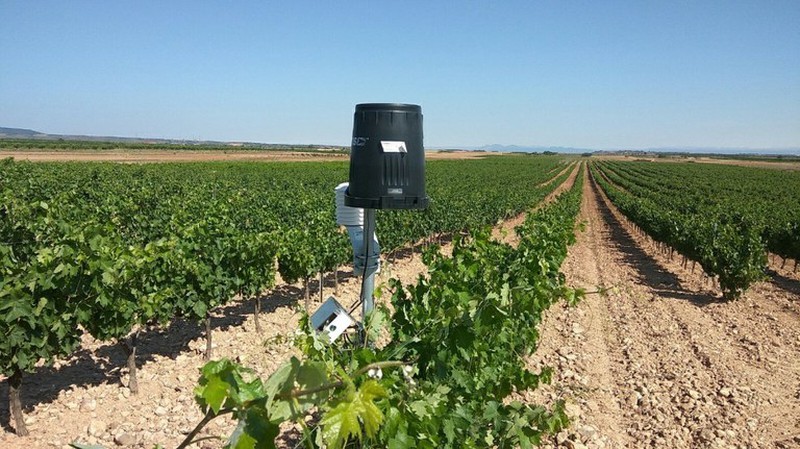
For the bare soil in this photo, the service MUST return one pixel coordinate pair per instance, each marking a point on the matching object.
(655, 361)
(171, 156)
(146, 156)
(658, 360)
(777, 164)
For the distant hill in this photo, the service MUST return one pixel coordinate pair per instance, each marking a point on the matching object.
(23, 133)
(725, 150)
(20, 133)
(531, 149)
(788, 151)
(35, 139)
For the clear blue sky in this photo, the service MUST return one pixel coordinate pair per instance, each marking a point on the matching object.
(592, 74)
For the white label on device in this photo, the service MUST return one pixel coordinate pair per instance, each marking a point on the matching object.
(393, 146)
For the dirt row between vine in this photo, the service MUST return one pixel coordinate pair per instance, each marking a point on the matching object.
(504, 231)
(659, 361)
(86, 399)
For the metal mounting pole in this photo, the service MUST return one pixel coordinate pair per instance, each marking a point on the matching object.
(372, 260)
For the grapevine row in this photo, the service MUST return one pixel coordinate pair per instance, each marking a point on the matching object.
(769, 198)
(111, 248)
(726, 243)
(458, 347)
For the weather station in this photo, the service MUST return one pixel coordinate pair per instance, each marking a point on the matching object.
(387, 171)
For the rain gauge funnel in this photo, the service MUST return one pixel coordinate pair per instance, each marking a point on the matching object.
(387, 159)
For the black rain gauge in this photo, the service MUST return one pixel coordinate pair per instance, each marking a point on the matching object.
(387, 171)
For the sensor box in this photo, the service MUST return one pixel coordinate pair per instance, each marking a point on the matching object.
(331, 319)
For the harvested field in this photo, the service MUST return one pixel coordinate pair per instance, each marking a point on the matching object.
(777, 164)
(205, 156)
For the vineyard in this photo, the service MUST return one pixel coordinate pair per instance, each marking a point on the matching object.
(108, 249)
(724, 218)
(95, 252)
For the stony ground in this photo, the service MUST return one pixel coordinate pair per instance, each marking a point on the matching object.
(655, 361)
(659, 360)
(166, 155)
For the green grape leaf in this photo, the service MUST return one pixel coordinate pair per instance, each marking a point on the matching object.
(401, 440)
(341, 423)
(281, 382)
(254, 431)
(222, 384)
(311, 375)
(370, 413)
(213, 393)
